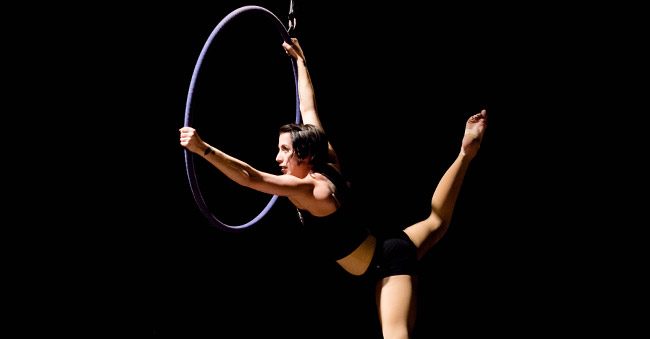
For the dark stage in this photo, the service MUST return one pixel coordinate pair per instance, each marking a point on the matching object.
(394, 87)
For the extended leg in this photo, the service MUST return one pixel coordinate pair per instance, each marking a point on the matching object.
(427, 232)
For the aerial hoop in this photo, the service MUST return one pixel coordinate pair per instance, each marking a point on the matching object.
(189, 156)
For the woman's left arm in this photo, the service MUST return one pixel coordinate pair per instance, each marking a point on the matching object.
(241, 172)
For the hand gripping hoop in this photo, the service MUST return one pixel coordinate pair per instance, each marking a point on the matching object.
(189, 156)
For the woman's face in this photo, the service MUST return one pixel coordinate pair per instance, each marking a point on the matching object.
(286, 158)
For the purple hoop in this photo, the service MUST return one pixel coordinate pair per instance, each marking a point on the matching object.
(189, 156)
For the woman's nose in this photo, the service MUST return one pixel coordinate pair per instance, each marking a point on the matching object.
(278, 158)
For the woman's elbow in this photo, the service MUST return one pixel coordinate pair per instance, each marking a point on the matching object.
(308, 110)
(247, 179)
(254, 180)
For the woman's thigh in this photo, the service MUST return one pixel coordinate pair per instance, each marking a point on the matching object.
(396, 304)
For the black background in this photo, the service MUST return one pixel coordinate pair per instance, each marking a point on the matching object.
(395, 84)
(394, 88)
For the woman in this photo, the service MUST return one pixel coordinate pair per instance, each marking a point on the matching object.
(311, 179)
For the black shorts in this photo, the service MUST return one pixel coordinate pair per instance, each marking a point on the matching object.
(395, 254)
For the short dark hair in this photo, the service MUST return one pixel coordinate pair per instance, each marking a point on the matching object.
(309, 142)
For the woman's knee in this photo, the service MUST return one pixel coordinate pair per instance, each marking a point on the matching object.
(395, 333)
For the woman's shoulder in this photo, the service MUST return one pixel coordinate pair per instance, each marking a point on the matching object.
(331, 171)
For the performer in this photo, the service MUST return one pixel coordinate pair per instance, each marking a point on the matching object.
(312, 180)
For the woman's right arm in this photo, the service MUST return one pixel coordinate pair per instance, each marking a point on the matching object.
(308, 109)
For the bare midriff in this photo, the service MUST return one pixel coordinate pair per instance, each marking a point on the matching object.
(357, 262)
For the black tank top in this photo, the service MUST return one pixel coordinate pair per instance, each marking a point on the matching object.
(339, 233)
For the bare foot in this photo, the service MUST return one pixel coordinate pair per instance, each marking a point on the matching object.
(474, 130)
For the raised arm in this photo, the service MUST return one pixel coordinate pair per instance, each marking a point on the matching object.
(308, 108)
